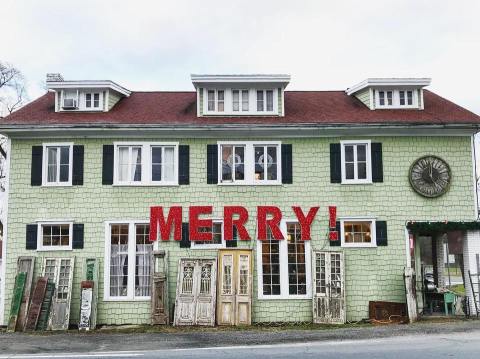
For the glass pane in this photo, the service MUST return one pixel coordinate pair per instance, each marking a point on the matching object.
(361, 152)
(389, 98)
(348, 153)
(362, 170)
(52, 164)
(227, 163)
(119, 260)
(221, 101)
(381, 98)
(271, 163)
(64, 155)
(245, 100)
(211, 100)
(239, 163)
(270, 100)
(259, 165)
(136, 164)
(236, 100)
(88, 100)
(410, 97)
(123, 164)
(349, 171)
(169, 167)
(357, 232)
(402, 97)
(96, 100)
(156, 163)
(143, 251)
(271, 266)
(64, 173)
(259, 100)
(296, 260)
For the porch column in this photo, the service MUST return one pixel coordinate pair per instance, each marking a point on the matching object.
(471, 248)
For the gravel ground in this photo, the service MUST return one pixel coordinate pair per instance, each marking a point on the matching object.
(171, 338)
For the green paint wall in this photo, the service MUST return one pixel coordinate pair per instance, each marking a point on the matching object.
(371, 273)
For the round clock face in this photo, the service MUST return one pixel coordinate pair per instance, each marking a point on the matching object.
(430, 176)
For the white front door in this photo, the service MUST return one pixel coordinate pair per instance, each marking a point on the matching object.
(196, 292)
(329, 288)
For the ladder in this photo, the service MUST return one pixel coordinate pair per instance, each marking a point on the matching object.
(475, 285)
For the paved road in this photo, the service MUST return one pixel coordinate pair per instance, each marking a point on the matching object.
(452, 340)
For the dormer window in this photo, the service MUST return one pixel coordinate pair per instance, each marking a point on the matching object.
(264, 100)
(406, 98)
(216, 100)
(385, 98)
(396, 98)
(237, 95)
(92, 100)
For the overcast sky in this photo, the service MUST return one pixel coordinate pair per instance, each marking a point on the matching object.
(324, 45)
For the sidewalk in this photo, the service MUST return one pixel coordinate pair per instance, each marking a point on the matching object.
(171, 338)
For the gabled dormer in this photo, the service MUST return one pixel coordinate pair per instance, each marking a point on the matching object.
(390, 93)
(85, 95)
(240, 95)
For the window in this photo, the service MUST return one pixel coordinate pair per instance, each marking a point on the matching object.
(57, 167)
(249, 163)
(217, 240)
(146, 164)
(358, 232)
(396, 99)
(92, 100)
(211, 100)
(406, 98)
(265, 100)
(216, 100)
(356, 162)
(54, 236)
(240, 99)
(127, 261)
(284, 265)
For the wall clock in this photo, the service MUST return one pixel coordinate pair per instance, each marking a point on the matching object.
(430, 176)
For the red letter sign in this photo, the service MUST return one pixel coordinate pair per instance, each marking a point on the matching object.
(174, 218)
(273, 223)
(239, 223)
(196, 223)
(305, 222)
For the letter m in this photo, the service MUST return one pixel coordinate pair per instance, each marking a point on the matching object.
(157, 220)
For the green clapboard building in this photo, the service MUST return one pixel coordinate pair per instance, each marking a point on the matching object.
(88, 160)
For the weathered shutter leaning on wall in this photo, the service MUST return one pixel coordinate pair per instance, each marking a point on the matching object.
(183, 164)
(31, 237)
(287, 164)
(381, 233)
(185, 242)
(107, 165)
(37, 159)
(377, 162)
(338, 242)
(212, 164)
(77, 239)
(77, 170)
(233, 242)
(335, 163)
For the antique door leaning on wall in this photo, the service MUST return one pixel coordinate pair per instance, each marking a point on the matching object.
(328, 288)
(196, 292)
(60, 271)
(234, 301)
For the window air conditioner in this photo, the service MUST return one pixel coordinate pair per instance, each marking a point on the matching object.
(69, 103)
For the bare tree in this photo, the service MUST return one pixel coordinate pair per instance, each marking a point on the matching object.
(12, 89)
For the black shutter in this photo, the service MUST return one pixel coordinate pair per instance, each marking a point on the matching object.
(338, 242)
(77, 242)
(377, 162)
(212, 164)
(233, 242)
(107, 170)
(381, 232)
(31, 239)
(335, 163)
(37, 158)
(287, 164)
(185, 242)
(183, 164)
(77, 171)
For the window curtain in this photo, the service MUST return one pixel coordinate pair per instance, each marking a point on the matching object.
(52, 165)
(136, 164)
(169, 164)
(119, 270)
(143, 270)
(123, 164)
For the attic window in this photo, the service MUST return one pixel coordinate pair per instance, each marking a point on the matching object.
(216, 100)
(92, 100)
(396, 99)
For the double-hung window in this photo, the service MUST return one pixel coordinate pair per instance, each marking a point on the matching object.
(240, 100)
(54, 236)
(57, 168)
(284, 265)
(406, 98)
(216, 100)
(146, 164)
(249, 163)
(264, 100)
(358, 232)
(356, 162)
(217, 237)
(128, 253)
(92, 100)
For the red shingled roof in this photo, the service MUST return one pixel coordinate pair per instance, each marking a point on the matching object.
(301, 107)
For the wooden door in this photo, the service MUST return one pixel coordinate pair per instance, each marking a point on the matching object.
(329, 288)
(27, 265)
(196, 292)
(159, 296)
(60, 271)
(234, 287)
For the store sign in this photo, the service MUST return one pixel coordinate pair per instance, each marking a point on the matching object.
(268, 217)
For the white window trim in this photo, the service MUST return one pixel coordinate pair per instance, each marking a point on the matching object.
(373, 232)
(131, 263)
(265, 111)
(146, 164)
(198, 246)
(284, 268)
(45, 165)
(396, 99)
(249, 163)
(42, 248)
(83, 105)
(368, 154)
